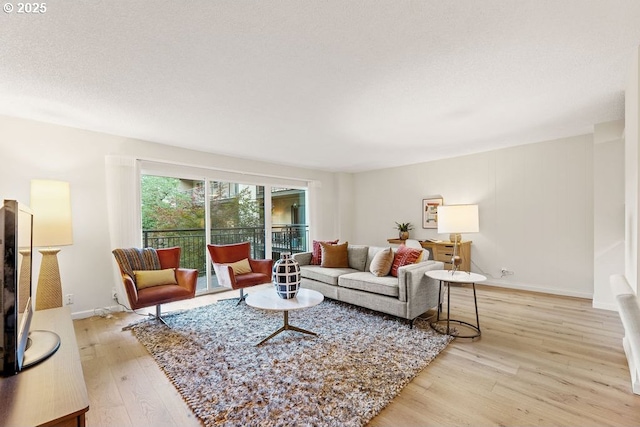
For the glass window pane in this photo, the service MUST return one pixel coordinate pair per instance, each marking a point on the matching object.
(237, 215)
(289, 232)
(173, 215)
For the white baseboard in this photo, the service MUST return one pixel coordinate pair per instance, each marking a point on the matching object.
(99, 311)
(541, 289)
(605, 306)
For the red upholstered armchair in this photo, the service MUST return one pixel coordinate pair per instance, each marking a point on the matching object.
(157, 286)
(235, 268)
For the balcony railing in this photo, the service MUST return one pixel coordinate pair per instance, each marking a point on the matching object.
(291, 238)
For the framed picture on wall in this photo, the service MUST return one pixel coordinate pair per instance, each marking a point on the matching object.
(430, 212)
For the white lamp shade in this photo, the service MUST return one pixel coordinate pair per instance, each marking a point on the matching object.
(458, 219)
(51, 207)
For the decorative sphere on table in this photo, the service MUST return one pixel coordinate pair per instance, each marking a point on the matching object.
(286, 276)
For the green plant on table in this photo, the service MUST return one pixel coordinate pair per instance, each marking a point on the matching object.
(404, 226)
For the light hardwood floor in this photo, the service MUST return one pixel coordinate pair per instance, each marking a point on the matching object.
(542, 360)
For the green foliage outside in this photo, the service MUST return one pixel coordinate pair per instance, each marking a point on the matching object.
(167, 204)
(238, 211)
(167, 207)
(175, 210)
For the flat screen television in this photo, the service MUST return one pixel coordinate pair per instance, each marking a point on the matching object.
(21, 347)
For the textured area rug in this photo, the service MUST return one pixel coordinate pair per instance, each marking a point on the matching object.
(344, 376)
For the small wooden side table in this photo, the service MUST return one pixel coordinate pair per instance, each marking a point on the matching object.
(446, 276)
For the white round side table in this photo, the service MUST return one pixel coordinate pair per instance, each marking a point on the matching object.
(446, 276)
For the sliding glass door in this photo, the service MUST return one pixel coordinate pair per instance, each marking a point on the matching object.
(190, 213)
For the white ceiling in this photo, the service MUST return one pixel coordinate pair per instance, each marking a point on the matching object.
(327, 84)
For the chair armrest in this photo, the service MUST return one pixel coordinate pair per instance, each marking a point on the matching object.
(187, 278)
(303, 258)
(263, 266)
(131, 290)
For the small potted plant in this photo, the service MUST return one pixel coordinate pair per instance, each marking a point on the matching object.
(403, 228)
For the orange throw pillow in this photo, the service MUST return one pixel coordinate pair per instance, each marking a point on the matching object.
(335, 256)
(316, 254)
(404, 256)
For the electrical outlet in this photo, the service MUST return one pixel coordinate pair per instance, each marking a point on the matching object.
(114, 294)
(506, 272)
(68, 299)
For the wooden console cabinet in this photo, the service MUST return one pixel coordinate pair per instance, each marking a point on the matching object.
(443, 251)
(53, 392)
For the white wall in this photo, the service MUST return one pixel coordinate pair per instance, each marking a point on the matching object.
(31, 150)
(608, 210)
(535, 203)
(345, 206)
(632, 160)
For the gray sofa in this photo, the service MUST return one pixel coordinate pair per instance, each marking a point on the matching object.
(407, 296)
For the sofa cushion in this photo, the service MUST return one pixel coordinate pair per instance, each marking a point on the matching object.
(381, 263)
(303, 258)
(316, 251)
(365, 281)
(358, 256)
(404, 256)
(335, 256)
(323, 274)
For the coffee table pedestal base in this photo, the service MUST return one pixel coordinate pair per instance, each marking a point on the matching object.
(286, 327)
(268, 299)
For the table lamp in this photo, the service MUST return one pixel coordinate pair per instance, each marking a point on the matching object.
(456, 219)
(51, 207)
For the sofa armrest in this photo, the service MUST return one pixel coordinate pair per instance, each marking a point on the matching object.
(263, 266)
(303, 258)
(420, 291)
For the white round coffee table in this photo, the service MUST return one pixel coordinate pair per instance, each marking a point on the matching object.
(446, 276)
(268, 299)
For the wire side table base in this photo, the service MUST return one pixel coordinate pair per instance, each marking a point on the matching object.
(443, 326)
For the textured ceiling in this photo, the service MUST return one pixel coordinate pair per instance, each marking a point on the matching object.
(334, 85)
